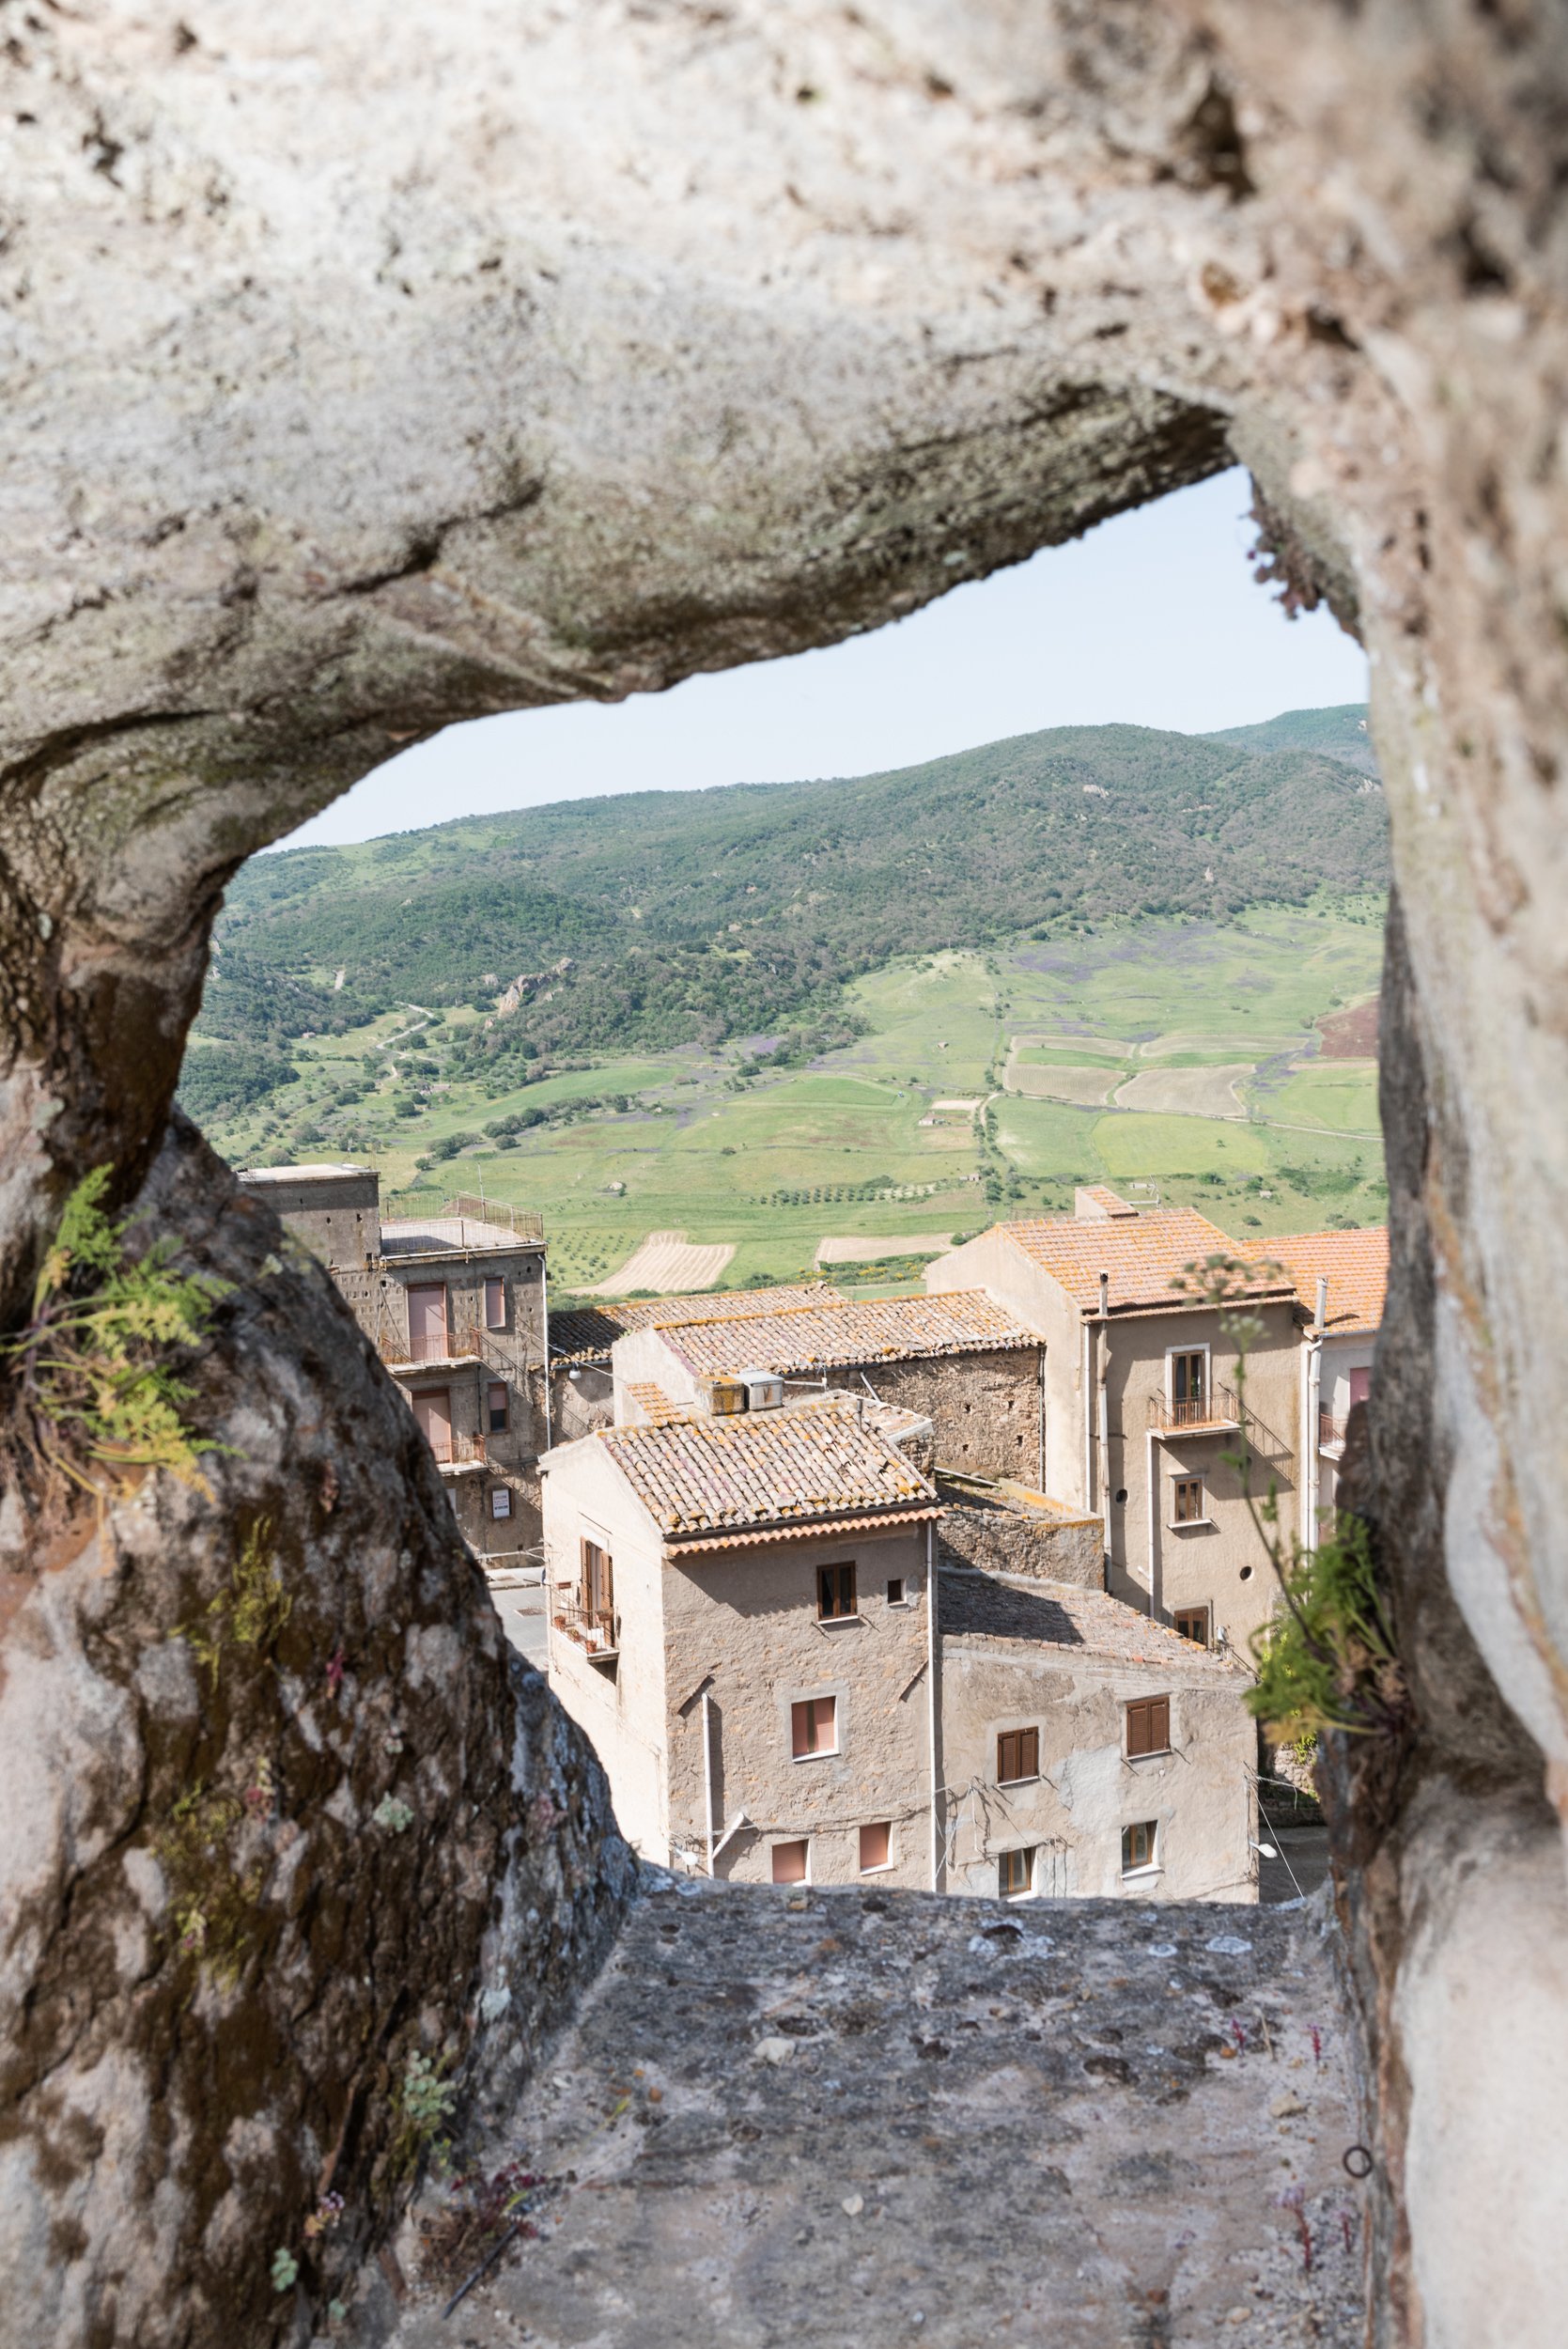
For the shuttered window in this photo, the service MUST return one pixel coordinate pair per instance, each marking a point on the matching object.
(495, 1304)
(1186, 1501)
(835, 1593)
(1149, 1726)
(1018, 1755)
(813, 1726)
(1193, 1624)
(496, 1404)
(789, 1863)
(876, 1845)
(598, 1579)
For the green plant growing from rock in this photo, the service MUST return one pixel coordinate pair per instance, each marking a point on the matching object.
(1326, 1659)
(425, 2100)
(251, 1612)
(94, 1397)
(211, 1899)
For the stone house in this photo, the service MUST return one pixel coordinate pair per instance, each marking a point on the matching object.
(1087, 1751)
(742, 1621)
(1341, 1279)
(454, 1301)
(581, 1342)
(1141, 1414)
(965, 1362)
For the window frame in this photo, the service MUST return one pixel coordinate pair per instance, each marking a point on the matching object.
(1179, 1485)
(1159, 1710)
(1134, 1867)
(1028, 1742)
(801, 1844)
(898, 1590)
(1206, 1611)
(1026, 1853)
(592, 1578)
(838, 1570)
(808, 1706)
(496, 1280)
(873, 1826)
(493, 1426)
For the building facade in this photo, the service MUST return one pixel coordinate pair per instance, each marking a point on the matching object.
(1341, 1279)
(455, 1304)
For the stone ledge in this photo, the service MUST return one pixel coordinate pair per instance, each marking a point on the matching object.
(844, 2117)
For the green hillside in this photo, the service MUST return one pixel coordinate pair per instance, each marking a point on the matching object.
(1341, 733)
(686, 918)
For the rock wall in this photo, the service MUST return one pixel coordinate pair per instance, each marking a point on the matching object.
(994, 1537)
(367, 370)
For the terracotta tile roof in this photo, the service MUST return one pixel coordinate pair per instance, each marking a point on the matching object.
(1065, 1615)
(829, 1335)
(1144, 1254)
(1109, 1201)
(652, 1399)
(588, 1332)
(700, 1475)
(1356, 1265)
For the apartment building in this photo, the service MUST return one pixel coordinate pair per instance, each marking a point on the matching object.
(742, 1620)
(1341, 1279)
(453, 1298)
(972, 1367)
(1142, 1404)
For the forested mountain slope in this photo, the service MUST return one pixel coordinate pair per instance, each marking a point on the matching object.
(688, 915)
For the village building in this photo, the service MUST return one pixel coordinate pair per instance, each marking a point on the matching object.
(581, 1342)
(1341, 1278)
(453, 1298)
(1142, 1405)
(742, 1620)
(963, 1360)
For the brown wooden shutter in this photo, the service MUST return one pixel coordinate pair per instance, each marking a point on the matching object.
(800, 1728)
(1137, 1728)
(1159, 1724)
(1028, 1753)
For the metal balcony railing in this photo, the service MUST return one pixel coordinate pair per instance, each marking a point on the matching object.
(1330, 1432)
(1217, 1408)
(463, 1345)
(597, 1629)
(457, 1449)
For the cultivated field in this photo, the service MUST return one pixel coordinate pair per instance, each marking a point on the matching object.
(766, 1169)
(864, 1250)
(668, 1266)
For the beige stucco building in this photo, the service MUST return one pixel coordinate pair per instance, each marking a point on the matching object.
(1341, 1279)
(742, 1620)
(453, 1300)
(1142, 1411)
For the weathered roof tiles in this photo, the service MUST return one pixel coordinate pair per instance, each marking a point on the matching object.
(1145, 1256)
(826, 1336)
(818, 1459)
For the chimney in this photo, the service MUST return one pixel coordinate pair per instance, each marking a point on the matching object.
(1321, 1318)
(1105, 1295)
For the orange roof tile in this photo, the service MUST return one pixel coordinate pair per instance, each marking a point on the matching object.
(1355, 1266)
(1064, 1614)
(652, 1399)
(1144, 1254)
(588, 1331)
(879, 1329)
(816, 1460)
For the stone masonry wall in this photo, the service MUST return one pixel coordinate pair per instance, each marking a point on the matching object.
(996, 1539)
(984, 1409)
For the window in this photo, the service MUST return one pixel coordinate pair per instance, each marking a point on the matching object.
(1193, 1624)
(813, 1726)
(599, 1586)
(1186, 1501)
(495, 1304)
(1360, 1387)
(1015, 1873)
(1138, 1847)
(497, 1404)
(501, 1502)
(1018, 1755)
(875, 1847)
(789, 1863)
(1148, 1726)
(896, 1589)
(427, 1324)
(433, 1414)
(1189, 1387)
(835, 1593)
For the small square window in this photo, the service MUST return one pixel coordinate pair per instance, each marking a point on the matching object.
(875, 1847)
(813, 1726)
(495, 1304)
(1193, 1624)
(896, 1589)
(1148, 1726)
(1138, 1845)
(1018, 1755)
(1186, 1501)
(498, 1409)
(501, 1502)
(1015, 1873)
(789, 1863)
(835, 1593)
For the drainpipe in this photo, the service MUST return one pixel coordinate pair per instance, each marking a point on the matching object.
(1153, 1525)
(1040, 1480)
(933, 1702)
(708, 1773)
(544, 1306)
(1104, 1401)
(1314, 1399)
(1088, 1416)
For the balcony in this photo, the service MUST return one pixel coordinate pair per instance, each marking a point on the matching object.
(1330, 1433)
(1216, 1411)
(595, 1630)
(449, 1346)
(457, 1455)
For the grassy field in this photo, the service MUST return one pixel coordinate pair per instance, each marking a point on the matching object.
(852, 1146)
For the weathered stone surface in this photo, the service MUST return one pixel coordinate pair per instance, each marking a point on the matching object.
(896, 2118)
(283, 1813)
(368, 368)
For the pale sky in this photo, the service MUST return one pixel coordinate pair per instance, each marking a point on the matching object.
(1153, 619)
